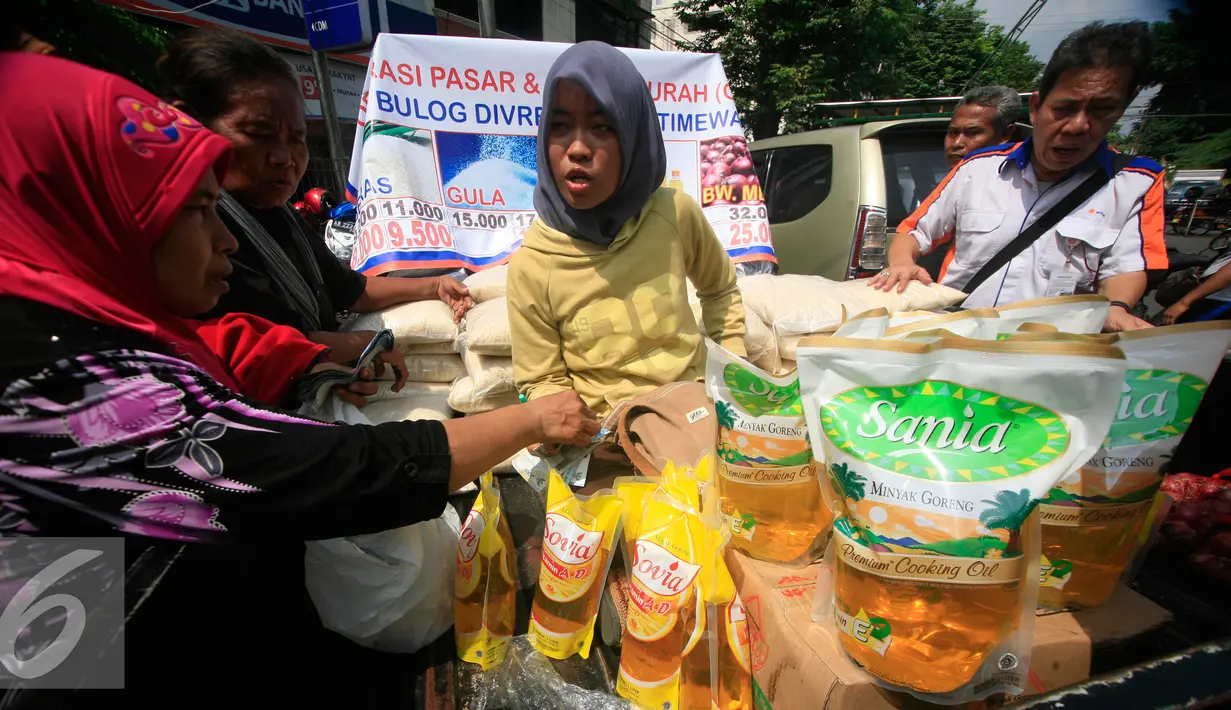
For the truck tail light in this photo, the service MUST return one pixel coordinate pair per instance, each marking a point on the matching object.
(869, 245)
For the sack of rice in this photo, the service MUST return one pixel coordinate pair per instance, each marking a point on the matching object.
(410, 389)
(412, 323)
(489, 374)
(433, 405)
(446, 348)
(916, 297)
(489, 284)
(799, 305)
(428, 368)
(759, 340)
(462, 398)
(487, 328)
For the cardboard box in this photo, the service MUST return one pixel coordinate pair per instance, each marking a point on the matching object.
(798, 665)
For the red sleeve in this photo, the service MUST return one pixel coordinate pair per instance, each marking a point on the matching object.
(266, 359)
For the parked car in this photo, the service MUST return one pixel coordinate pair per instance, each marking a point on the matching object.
(833, 193)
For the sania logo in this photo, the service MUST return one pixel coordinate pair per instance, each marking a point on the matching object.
(760, 398)
(943, 431)
(660, 572)
(468, 539)
(569, 542)
(1155, 404)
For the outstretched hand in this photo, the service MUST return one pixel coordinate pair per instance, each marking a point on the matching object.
(455, 295)
(562, 418)
(900, 277)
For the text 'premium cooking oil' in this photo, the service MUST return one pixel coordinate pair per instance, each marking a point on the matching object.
(1092, 519)
(937, 455)
(766, 472)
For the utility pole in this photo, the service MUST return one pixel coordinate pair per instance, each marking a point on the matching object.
(487, 18)
(329, 114)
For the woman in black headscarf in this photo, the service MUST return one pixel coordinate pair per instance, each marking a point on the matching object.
(598, 300)
(244, 91)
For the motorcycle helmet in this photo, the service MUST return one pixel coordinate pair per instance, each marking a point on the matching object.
(318, 201)
(301, 208)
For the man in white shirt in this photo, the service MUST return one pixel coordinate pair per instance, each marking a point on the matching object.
(986, 116)
(1106, 245)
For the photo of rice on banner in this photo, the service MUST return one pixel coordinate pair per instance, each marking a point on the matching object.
(444, 168)
(1092, 519)
(937, 456)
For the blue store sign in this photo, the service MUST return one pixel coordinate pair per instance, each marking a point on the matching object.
(282, 21)
(335, 25)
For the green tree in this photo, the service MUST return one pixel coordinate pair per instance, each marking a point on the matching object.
(1188, 120)
(97, 35)
(1008, 511)
(782, 57)
(847, 482)
(726, 416)
(948, 42)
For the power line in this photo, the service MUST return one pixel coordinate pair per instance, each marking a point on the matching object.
(1013, 34)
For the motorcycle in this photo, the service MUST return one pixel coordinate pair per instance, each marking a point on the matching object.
(337, 223)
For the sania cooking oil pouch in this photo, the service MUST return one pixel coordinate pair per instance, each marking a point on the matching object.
(1082, 314)
(1091, 520)
(766, 473)
(937, 455)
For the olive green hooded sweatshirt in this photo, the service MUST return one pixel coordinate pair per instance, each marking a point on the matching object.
(612, 321)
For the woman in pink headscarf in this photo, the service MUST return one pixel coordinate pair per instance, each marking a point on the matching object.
(115, 416)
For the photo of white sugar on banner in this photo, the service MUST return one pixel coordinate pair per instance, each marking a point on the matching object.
(444, 168)
(937, 455)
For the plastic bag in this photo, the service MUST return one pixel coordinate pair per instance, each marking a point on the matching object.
(485, 607)
(578, 536)
(1070, 314)
(530, 681)
(487, 329)
(976, 323)
(937, 456)
(766, 472)
(389, 591)
(1092, 519)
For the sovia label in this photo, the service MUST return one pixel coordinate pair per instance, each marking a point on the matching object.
(1154, 404)
(942, 431)
(759, 397)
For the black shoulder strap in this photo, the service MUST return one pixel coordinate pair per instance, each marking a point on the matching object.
(1046, 221)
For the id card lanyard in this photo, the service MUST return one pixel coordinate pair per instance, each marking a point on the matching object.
(1064, 283)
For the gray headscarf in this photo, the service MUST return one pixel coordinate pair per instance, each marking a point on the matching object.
(609, 77)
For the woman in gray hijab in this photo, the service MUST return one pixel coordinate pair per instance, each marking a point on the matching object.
(598, 298)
